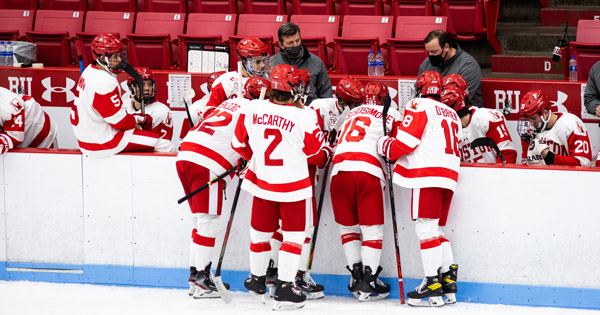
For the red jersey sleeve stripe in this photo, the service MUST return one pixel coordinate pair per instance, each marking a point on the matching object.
(43, 134)
(200, 149)
(281, 188)
(426, 172)
(109, 104)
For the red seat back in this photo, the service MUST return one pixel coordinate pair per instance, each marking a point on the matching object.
(20, 4)
(150, 45)
(263, 26)
(211, 28)
(321, 7)
(52, 33)
(412, 7)
(81, 5)
(15, 23)
(266, 6)
(465, 18)
(362, 7)
(587, 47)
(166, 6)
(116, 5)
(317, 31)
(217, 6)
(96, 22)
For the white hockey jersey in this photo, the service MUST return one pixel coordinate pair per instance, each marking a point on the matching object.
(279, 139)
(197, 109)
(357, 145)
(225, 87)
(489, 123)
(158, 118)
(569, 140)
(99, 120)
(427, 151)
(327, 113)
(23, 123)
(209, 143)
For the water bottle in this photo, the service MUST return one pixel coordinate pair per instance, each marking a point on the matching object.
(371, 63)
(2, 54)
(572, 69)
(9, 54)
(379, 69)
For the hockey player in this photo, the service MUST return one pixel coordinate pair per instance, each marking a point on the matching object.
(427, 157)
(99, 120)
(476, 123)
(555, 138)
(157, 117)
(23, 123)
(206, 153)
(277, 137)
(255, 62)
(357, 185)
(198, 107)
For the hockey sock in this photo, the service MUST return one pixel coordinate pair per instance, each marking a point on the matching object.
(351, 243)
(431, 249)
(303, 266)
(447, 255)
(276, 241)
(192, 246)
(371, 245)
(204, 239)
(289, 255)
(260, 250)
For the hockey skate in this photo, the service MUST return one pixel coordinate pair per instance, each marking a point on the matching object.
(449, 284)
(192, 281)
(205, 285)
(305, 282)
(429, 293)
(356, 279)
(271, 278)
(372, 288)
(256, 285)
(288, 296)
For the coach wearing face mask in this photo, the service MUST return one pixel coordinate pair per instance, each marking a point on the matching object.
(447, 58)
(295, 54)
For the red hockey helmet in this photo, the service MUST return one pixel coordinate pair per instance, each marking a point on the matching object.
(149, 93)
(429, 83)
(458, 81)
(253, 87)
(281, 77)
(533, 102)
(453, 97)
(106, 45)
(251, 47)
(211, 79)
(350, 89)
(375, 93)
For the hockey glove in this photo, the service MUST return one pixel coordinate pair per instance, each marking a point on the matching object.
(242, 167)
(4, 146)
(328, 155)
(384, 144)
(143, 120)
(534, 153)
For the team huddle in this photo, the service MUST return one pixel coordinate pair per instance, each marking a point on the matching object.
(256, 124)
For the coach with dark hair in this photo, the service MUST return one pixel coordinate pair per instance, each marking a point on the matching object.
(447, 58)
(295, 54)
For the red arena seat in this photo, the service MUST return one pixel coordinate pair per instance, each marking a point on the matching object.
(150, 45)
(317, 33)
(53, 32)
(96, 22)
(15, 23)
(587, 47)
(116, 5)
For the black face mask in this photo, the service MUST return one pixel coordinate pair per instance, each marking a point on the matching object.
(437, 60)
(293, 52)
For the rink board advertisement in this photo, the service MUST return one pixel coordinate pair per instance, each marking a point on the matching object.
(521, 235)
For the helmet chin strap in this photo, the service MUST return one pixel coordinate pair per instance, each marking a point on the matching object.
(544, 122)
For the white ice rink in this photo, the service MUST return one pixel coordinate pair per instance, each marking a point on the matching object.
(40, 298)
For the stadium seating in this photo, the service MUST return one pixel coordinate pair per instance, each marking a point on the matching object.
(210, 28)
(81, 5)
(96, 22)
(323, 7)
(219, 6)
(263, 26)
(412, 7)
(15, 23)
(360, 34)
(20, 4)
(116, 5)
(150, 46)
(317, 33)
(362, 7)
(407, 48)
(175, 6)
(472, 20)
(587, 47)
(266, 7)
(53, 32)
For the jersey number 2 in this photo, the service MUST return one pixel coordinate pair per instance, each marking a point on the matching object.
(211, 121)
(276, 134)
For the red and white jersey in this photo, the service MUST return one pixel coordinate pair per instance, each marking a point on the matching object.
(327, 113)
(428, 144)
(357, 145)
(568, 140)
(160, 120)
(225, 87)
(197, 109)
(209, 143)
(279, 139)
(23, 123)
(101, 124)
(490, 123)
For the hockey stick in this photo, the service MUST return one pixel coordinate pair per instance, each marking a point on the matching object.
(140, 83)
(223, 292)
(331, 140)
(386, 108)
(488, 142)
(187, 98)
(79, 57)
(212, 181)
